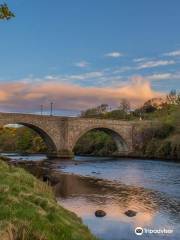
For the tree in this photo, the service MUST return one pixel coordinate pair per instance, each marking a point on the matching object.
(178, 99)
(103, 108)
(172, 97)
(95, 112)
(149, 109)
(5, 13)
(124, 105)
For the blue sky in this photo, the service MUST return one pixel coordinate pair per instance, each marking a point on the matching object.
(96, 44)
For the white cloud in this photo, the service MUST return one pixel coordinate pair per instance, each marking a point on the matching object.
(139, 60)
(114, 54)
(94, 78)
(123, 69)
(173, 53)
(157, 63)
(163, 76)
(82, 64)
(159, 76)
(84, 76)
(69, 78)
(50, 77)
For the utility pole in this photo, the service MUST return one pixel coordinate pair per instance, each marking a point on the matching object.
(51, 112)
(41, 109)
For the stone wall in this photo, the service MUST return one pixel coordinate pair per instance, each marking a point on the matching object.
(62, 133)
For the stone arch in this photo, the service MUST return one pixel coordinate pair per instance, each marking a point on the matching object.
(120, 142)
(44, 135)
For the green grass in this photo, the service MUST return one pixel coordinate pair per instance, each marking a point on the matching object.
(165, 141)
(168, 114)
(29, 211)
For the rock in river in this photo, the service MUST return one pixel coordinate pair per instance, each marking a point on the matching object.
(100, 213)
(130, 213)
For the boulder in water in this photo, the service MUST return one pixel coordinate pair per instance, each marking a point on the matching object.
(130, 213)
(100, 213)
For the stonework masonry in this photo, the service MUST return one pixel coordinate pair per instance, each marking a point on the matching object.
(62, 133)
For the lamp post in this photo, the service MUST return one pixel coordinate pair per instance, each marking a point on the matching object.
(51, 111)
(41, 109)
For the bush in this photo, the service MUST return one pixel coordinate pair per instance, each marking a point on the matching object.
(164, 150)
(157, 141)
(163, 131)
(175, 147)
(95, 142)
(151, 148)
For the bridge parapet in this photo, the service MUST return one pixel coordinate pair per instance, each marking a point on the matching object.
(62, 133)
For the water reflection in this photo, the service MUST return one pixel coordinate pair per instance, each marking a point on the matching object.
(152, 174)
(86, 194)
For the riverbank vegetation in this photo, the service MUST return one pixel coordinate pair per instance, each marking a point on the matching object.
(96, 143)
(160, 140)
(29, 210)
(21, 139)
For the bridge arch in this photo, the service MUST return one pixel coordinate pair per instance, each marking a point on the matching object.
(62, 133)
(120, 142)
(43, 134)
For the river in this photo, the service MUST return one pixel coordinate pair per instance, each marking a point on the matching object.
(150, 188)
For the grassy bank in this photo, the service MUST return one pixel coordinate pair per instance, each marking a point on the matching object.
(29, 210)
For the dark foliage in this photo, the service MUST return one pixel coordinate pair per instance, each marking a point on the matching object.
(5, 13)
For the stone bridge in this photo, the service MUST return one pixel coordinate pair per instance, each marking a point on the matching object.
(62, 133)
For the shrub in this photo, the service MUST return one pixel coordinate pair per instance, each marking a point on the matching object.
(163, 131)
(151, 148)
(164, 150)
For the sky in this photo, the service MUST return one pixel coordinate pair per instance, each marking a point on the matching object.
(79, 54)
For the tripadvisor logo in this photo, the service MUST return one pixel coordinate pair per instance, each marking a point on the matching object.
(139, 231)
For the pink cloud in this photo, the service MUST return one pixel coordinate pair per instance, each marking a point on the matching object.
(25, 95)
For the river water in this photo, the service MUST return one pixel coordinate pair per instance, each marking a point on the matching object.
(148, 187)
